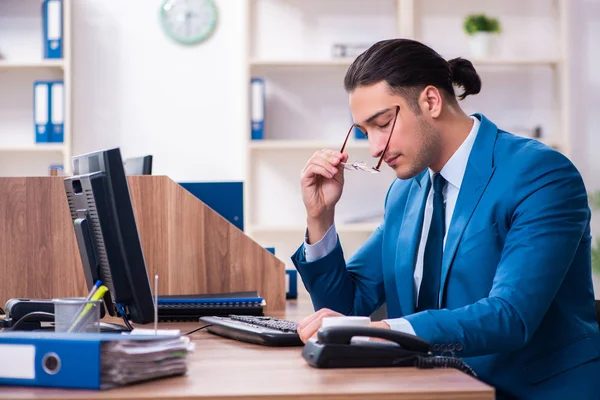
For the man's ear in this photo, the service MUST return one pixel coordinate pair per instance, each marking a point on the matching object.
(430, 101)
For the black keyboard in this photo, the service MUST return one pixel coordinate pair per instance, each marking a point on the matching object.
(266, 331)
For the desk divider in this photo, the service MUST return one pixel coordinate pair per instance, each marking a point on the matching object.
(192, 248)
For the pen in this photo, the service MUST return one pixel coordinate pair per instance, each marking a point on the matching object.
(97, 295)
(88, 298)
(94, 288)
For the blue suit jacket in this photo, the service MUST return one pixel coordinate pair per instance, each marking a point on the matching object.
(516, 297)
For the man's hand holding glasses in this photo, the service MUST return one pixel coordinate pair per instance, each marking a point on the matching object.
(322, 181)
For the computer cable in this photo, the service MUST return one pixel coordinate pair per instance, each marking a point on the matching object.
(123, 311)
(127, 324)
(197, 329)
(444, 362)
(10, 324)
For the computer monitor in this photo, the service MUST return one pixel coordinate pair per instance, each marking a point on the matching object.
(139, 165)
(107, 236)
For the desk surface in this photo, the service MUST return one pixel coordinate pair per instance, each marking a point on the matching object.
(224, 369)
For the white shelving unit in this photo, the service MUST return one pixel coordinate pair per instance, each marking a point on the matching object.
(22, 63)
(290, 42)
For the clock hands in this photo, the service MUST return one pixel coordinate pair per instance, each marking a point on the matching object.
(188, 21)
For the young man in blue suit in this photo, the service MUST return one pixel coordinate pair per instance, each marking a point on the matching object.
(484, 250)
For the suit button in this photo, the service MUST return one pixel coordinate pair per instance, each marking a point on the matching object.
(459, 347)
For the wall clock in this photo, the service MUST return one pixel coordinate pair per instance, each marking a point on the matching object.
(189, 21)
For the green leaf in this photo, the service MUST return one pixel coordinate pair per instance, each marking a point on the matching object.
(596, 256)
(594, 202)
(481, 23)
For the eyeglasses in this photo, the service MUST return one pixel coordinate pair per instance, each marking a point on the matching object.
(361, 165)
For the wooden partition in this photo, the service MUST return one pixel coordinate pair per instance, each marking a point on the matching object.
(190, 246)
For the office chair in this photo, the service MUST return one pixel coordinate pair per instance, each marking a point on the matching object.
(138, 165)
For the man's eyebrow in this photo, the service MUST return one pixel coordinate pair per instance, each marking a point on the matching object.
(377, 114)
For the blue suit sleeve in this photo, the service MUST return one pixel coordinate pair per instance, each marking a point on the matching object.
(352, 289)
(550, 217)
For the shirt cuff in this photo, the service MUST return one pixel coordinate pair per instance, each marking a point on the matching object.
(401, 325)
(313, 252)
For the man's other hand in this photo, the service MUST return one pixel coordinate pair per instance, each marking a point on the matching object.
(310, 325)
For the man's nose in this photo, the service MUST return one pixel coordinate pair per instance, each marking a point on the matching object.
(377, 145)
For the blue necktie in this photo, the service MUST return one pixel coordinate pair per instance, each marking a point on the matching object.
(434, 250)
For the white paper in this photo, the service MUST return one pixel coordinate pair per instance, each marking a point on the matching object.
(19, 361)
(128, 361)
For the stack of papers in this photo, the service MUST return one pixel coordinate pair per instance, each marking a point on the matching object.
(130, 361)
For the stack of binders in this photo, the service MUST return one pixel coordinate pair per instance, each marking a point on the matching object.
(88, 360)
(48, 111)
(48, 96)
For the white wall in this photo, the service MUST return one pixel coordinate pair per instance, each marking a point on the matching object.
(135, 88)
(585, 89)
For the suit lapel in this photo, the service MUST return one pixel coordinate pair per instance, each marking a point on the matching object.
(408, 240)
(479, 171)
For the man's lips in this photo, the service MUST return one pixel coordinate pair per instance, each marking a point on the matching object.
(391, 160)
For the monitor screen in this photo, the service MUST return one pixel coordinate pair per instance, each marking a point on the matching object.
(107, 235)
(139, 165)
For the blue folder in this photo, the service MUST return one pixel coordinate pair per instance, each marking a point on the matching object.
(226, 198)
(41, 111)
(57, 112)
(51, 359)
(52, 28)
(257, 112)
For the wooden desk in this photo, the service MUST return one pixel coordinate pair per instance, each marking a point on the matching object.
(224, 369)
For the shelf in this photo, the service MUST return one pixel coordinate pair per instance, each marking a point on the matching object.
(13, 64)
(47, 148)
(305, 144)
(514, 62)
(340, 228)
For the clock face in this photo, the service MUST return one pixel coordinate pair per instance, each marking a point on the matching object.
(189, 21)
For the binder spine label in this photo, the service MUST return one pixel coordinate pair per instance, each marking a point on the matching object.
(19, 361)
(54, 26)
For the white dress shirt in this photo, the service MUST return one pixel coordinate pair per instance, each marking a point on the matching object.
(453, 172)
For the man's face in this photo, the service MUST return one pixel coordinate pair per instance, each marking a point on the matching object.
(414, 144)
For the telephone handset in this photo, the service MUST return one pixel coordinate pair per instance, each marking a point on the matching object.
(334, 348)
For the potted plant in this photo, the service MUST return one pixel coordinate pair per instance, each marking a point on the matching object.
(483, 32)
(594, 201)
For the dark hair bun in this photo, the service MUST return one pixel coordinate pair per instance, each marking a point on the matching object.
(465, 76)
